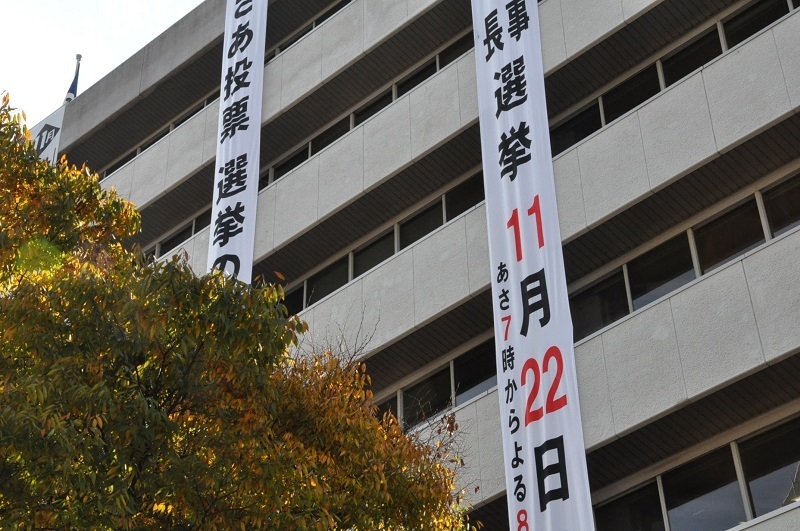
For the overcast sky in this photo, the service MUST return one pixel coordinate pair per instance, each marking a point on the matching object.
(40, 38)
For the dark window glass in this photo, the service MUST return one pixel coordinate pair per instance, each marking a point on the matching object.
(331, 135)
(783, 206)
(197, 108)
(427, 398)
(456, 50)
(161, 134)
(754, 19)
(300, 34)
(372, 108)
(291, 163)
(631, 93)
(202, 221)
(660, 271)
(269, 56)
(175, 240)
(464, 196)
(332, 11)
(638, 511)
(704, 495)
(426, 71)
(389, 406)
(569, 133)
(729, 236)
(493, 515)
(423, 223)
(599, 305)
(475, 372)
(691, 57)
(771, 465)
(294, 301)
(263, 180)
(327, 281)
(121, 162)
(373, 254)
(214, 97)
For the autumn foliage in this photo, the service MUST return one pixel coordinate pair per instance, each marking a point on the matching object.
(138, 395)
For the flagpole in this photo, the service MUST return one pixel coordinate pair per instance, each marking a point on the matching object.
(73, 89)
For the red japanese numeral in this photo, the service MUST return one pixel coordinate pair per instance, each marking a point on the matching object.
(536, 210)
(552, 404)
(522, 520)
(532, 415)
(513, 222)
(507, 321)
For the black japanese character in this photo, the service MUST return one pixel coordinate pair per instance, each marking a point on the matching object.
(494, 35)
(517, 18)
(235, 118)
(517, 461)
(514, 88)
(534, 298)
(511, 386)
(226, 260)
(228, 224)
(235, 177)
(558, 468)
(514, 150)
(513, 422)
(519, 489)
(508, 359)
(243, 7)
(240, 39)
(236, 79)
(504, 300)
(502, 273)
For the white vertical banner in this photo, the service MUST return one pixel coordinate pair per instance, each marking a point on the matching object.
(545, 462)
(46, 135)
(233, 212)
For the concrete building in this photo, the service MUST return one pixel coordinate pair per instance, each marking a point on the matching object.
(676, 140)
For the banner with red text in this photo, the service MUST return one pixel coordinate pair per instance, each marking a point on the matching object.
(545, 461)
(233, 214)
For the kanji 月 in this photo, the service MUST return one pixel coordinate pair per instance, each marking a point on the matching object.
(533, 290)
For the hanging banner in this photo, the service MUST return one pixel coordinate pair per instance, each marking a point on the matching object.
(233, 214)
(545, 461)
(47, 136)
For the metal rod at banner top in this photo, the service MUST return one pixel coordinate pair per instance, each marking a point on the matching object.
(545, 461)
(233, 211)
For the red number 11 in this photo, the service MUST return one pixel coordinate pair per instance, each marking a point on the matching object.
(513, 223)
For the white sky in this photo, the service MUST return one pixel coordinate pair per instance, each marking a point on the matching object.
(40, 38)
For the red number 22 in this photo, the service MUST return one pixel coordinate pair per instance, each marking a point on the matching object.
(552, 404)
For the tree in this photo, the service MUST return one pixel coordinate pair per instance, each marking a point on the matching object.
(138, 395)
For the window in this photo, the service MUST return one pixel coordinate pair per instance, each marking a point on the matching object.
(599, 305)
(120, 163)
(423, 223)
(631, 93)
(202, 221)
(373, 254)
(464, 196)
(175, 240)
(704, 494)
(691, 57)
(424, 72)
(754, 19)
(638, 511)
(660, 271)
(729, 236)
(427, 398)
(389, 406)
(569, 133)
(332, 11)
(456, 50)
(294, 301)
(327, 281)
(158, 136)
(291, 163)
(783, 206)
(771, 464)
(372, 108)
(331, 135)
(183, 119)
(475, 372)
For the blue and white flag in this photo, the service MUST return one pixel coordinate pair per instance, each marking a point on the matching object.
(73, 88)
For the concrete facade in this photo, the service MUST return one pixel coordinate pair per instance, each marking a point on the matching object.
(675, 163)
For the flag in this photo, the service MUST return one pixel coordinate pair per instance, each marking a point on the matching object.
(73, 88)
